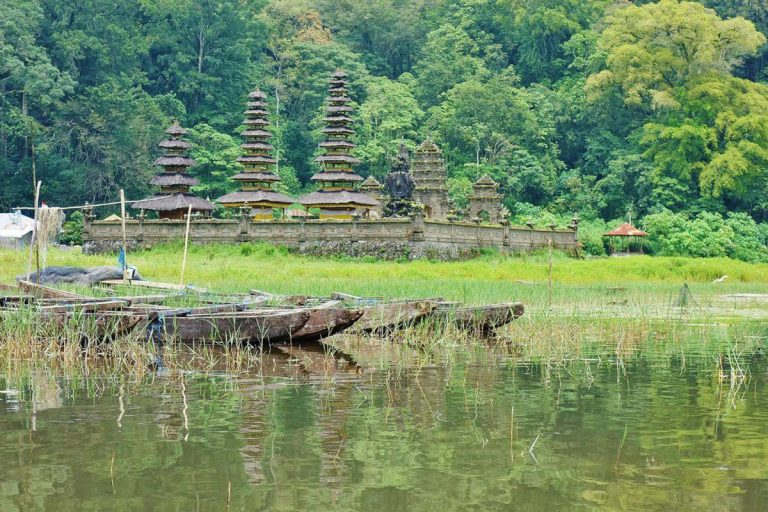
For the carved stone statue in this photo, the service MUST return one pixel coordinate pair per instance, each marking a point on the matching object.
(399, 186)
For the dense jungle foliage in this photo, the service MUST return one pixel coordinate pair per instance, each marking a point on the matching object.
(592, 107)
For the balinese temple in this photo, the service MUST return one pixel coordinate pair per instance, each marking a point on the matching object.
(373, 188)
(337, 197)
(428, 171)
(173, 199)
(258, 176)
(485, 200)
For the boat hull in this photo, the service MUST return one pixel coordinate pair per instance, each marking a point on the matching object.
(480, 319)
(384, 318)
(326, 322)
(259, 328)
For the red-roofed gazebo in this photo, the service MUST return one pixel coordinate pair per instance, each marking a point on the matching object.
(627, 237)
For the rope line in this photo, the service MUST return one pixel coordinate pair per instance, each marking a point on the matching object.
(92, 205)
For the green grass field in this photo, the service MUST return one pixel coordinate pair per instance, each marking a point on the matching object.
(485, 279)
(603, 307)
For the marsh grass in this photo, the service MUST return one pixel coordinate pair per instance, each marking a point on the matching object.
(602, 309)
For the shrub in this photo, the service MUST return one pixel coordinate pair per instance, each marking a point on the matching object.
(706, 235)
(591, 237)
(72, 230)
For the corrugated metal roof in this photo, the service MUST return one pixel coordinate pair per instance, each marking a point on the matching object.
(15, 225)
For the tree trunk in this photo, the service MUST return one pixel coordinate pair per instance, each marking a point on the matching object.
(200, 57)
(24, 113)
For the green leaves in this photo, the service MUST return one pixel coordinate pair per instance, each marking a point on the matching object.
(705, 235)
(571, 105)
(389, 115)
(655, 48)
(216, 154)
(450, 57)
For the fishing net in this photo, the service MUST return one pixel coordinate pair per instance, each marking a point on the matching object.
(49, 222)
(685, 297)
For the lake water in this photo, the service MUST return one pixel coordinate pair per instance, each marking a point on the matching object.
(587, 436)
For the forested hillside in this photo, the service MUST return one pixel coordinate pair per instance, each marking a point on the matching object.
(588, 106)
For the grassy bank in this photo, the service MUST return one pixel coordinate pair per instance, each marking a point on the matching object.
(600, 308)
(489, 278)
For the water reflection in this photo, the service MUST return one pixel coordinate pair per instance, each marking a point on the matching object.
(299, 436)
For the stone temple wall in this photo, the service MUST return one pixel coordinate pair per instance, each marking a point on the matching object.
(385, 239)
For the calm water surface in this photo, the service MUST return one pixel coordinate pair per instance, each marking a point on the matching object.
(587, 437)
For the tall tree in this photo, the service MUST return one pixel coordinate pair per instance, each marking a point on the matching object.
(389, 116)
(205, 51)
(652, 49)
(30, 85)
(449, 57)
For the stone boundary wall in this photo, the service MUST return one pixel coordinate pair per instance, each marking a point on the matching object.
(386, 238)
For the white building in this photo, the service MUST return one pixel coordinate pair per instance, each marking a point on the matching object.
(15, 230)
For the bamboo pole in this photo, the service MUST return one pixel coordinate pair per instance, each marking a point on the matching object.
(122, 217)
(549, 274)
(186, 246)
(34, 232)
(125, 237)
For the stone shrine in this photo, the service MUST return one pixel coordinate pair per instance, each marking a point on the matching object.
(428, 172)
(373, 188)
(485, 202)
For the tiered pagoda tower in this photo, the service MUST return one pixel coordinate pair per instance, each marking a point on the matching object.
(337, 198)
(173, 199)
(428, 170)
(486, 198)
(258, 176)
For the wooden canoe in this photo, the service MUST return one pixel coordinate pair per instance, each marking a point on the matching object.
(386, 317)
(271, 327)
(86, 307)
(324, 322)
(107, 325)
(480, 319)
(46, 292)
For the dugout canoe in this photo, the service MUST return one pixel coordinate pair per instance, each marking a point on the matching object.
(99, 326)
(324, 322)
(245, 327)
(479, 319)
(387, 317)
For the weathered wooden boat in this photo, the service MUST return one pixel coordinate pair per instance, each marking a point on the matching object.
(256, 317)
(254, 327)
(46, 292)
(479, 319)
(386, 317)
(86, 326)
(324, 322)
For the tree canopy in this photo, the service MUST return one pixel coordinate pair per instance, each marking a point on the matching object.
(573, 106)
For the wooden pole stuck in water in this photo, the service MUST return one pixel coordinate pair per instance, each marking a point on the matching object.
(549, 275)
(125, 238)
(186, 246)
(33, 240)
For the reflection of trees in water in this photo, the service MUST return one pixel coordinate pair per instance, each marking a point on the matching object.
(431, 439)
